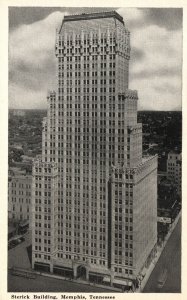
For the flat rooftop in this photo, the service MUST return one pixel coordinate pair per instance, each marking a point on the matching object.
(96, 15)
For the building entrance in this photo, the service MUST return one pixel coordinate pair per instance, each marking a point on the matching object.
(81, 272)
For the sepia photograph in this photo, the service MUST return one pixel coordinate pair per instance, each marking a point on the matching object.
(94, 150)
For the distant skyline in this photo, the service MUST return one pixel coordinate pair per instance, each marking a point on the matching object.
(155, 65)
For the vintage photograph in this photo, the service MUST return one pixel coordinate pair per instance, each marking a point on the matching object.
(94, 149)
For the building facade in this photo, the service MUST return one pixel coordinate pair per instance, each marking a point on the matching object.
(19, 197)
(94, 195)
(174, 169)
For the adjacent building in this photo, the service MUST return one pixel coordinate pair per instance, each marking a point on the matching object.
(19, 197)
(94, 211)
(174, 169)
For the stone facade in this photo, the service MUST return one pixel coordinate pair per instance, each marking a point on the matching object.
(100, 222)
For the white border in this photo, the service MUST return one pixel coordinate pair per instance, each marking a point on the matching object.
(4, 128)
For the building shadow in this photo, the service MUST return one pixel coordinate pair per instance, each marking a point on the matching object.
(29, 253)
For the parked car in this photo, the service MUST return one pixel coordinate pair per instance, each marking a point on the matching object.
(13, 242)
(162, 278)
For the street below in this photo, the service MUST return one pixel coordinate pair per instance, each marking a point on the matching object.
(47, 284)
(170, 259)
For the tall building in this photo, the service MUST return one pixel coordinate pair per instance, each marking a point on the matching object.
(174, 169)
(94, 196)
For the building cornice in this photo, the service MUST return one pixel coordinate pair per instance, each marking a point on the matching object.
(97, 15)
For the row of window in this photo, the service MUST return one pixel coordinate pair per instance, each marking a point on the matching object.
(88, 73)
(20, 200)
(46, 170)
(87, 98)
(45, 225)
(16, 192)
(45, 241)
(88, 40)
(20, 208)
(20, 216)
(86, 81)
(19, 185)
(87, 50)
(86, 90)
(46, 257)
(84, 66)
(70, 59)
(119, 270)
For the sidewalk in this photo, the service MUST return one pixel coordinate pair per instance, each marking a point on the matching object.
(82, 282)
(27, 272)
(159, 252)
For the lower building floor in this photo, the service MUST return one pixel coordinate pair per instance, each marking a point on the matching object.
(82, 270)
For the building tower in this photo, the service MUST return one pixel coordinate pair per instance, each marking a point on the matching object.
(94, 196)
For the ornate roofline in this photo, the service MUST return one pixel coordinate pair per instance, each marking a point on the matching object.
(96, 15)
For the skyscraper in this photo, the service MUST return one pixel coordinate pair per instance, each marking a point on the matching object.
(94, 195)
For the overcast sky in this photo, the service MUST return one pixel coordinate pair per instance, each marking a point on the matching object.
(155, 65)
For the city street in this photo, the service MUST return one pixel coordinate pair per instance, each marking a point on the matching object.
(18, 256)
(171, 260)
(47, 284)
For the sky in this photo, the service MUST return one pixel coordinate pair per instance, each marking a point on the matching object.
(155, 64)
